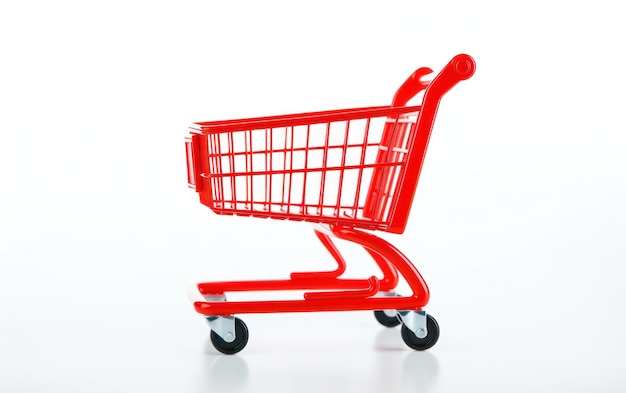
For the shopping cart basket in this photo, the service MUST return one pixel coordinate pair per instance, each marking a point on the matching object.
(350, 171)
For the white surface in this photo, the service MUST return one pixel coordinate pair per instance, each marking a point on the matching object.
(518, 223)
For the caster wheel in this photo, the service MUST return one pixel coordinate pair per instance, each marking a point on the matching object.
(420, 344)
(241, 339)
(385, 319)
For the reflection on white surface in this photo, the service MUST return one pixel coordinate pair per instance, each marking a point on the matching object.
(226, 373)
(132, 333)
(387, 340)
(320, 366)
(420, 371)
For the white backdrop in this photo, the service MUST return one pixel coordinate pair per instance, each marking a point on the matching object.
(518, 222)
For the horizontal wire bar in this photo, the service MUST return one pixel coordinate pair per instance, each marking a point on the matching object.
(298, 149)
(303, 170)
(281, 205)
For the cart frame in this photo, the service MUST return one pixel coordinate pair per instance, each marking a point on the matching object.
(393, 176)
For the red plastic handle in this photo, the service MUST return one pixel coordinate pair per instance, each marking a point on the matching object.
(461, 67)
(411, 87)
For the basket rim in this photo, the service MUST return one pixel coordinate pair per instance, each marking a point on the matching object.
(299, 119)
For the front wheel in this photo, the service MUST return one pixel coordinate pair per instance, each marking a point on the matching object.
(229, 348)
(386, 319)
(421, 344)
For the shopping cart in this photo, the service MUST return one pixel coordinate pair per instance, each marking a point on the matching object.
(349, 171)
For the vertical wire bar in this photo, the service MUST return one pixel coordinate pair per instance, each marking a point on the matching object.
(306, 168)
(389, 163)
(408, 135)
(220, 169)
(398, 135)
(271, 168)
(263, 170)
(191, 175)
(381, 199)
(290, 172)
(250, 176)
(282, 204)
(268, 178)
(324, 169)
(246, 176)
(361, 164)
(268, 168)
(233, 182)
(218, 182)
(344, 149)
(210, 157)
(402, 144)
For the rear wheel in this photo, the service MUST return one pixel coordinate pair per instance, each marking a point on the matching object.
(387, 318)
(420, 344)
(240, 341)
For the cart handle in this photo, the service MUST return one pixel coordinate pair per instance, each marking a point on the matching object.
(461, 67)
(411, 87)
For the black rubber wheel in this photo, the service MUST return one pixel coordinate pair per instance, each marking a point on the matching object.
(421, 344)
(241, 339)
(385, 319)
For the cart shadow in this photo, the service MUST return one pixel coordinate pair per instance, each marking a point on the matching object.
(225, 373)
(419, 369)
(420, 372)
(389, 340)
(413, 371)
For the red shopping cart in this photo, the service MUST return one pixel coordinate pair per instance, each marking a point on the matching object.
(351, 171)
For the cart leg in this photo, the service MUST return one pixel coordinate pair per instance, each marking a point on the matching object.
(390, 273)
(388, 255)
(332, 249)
(415, 321)
(223, 327)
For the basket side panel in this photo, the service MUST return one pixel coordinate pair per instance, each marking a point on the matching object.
(315, 172)
(390, 165)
